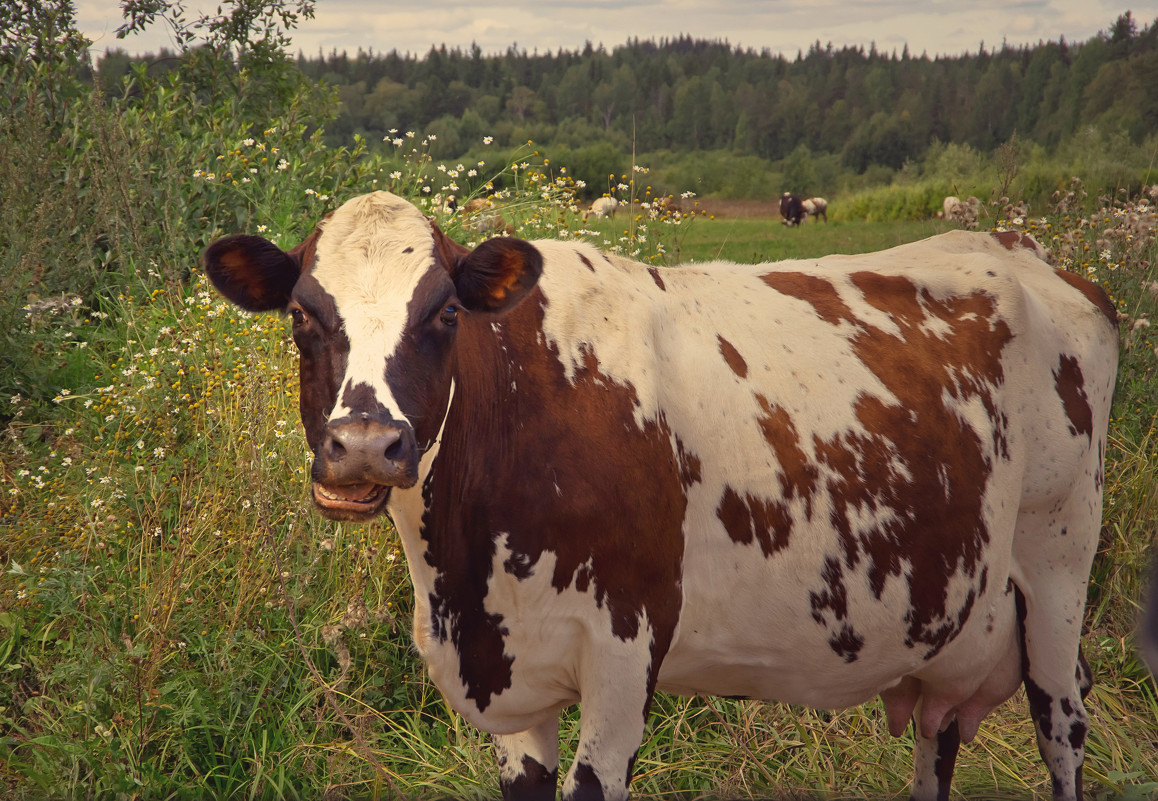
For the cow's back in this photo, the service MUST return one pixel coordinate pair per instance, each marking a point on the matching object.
(864, 430)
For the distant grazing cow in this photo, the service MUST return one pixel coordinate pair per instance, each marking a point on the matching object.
(815, 207)
(601, 207)
(814, 481)
(791, 209)
(963, 212)
(481, 216)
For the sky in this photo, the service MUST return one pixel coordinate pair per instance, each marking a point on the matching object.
(935, 27)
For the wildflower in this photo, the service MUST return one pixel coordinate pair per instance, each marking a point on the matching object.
(396, 175)
(248, 143)
(283, 165)
(488, 139)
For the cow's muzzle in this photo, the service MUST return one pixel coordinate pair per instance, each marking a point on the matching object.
(360, 458)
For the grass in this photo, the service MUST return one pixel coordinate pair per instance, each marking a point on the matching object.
(175, 622)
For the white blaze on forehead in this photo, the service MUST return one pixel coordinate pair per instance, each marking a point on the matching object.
(371, 255)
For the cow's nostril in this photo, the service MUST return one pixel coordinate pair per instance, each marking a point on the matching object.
(396, 450)
(335, 450)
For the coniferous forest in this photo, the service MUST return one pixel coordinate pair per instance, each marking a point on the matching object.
(728, 121)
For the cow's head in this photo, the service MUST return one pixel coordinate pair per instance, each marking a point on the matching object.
(377, 295)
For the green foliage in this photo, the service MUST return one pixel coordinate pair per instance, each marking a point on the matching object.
(176, 623)
(914, 201)
(870, 108)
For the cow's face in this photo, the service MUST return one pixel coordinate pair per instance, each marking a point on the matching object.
(378, 296)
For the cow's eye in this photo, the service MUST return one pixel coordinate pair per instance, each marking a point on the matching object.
(449, 315)
(298, 316)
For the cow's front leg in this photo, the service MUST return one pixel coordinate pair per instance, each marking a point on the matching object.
(613, 713)
(529, 762)
(933, 761)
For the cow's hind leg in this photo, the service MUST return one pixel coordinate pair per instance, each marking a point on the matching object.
(1056, 680)
(529, 762)
(933, 761)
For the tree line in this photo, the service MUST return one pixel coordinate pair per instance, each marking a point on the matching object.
(869, 106)
(856, 109)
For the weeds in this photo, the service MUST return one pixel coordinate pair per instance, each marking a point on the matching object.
(174, 622)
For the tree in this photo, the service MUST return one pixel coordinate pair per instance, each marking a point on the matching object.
(40, 30)
(520, 101)
(247, 38)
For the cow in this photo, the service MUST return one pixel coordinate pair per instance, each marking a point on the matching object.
(960, 211)
(815, 207)
(791, 209)
(810, 481)
(481, 216)
(601, 207)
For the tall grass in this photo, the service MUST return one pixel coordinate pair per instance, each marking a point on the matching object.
(176, 623)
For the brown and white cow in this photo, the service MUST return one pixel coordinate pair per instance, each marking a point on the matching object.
(815, 207)
(814, 481)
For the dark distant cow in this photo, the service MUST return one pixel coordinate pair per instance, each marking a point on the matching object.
(791, 209)
(814, 481)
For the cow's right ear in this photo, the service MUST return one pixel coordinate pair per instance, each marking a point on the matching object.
(497, 274)
(252, 272)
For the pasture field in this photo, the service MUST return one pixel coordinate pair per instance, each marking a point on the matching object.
(759, 238)
(175, 622)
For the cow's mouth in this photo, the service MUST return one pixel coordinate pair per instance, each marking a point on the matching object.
(356, 500)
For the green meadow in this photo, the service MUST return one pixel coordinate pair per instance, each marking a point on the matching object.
(175, 620)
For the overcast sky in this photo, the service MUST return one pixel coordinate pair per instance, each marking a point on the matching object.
(936, 27)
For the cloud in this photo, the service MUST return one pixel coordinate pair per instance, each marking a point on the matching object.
(938, 27)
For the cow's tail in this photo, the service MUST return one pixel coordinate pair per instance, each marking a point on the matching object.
(1148, 629)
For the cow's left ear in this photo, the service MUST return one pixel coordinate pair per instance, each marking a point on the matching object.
(497, 274)
(252, 272)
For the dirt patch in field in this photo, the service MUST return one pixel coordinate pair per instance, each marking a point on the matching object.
(740, 208)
